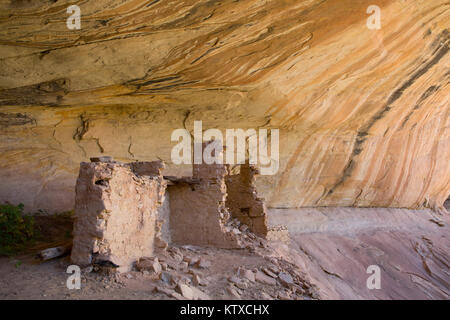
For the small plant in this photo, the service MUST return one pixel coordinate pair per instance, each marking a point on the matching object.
(16, 229)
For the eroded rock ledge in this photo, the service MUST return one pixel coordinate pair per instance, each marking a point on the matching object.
(363, 113)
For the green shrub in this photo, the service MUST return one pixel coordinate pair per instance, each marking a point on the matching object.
(16, 229)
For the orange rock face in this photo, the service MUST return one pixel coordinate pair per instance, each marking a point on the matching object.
(363, 114)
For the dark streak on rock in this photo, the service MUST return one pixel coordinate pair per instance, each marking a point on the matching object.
(424, 96)
(48, 93)
(151, 3)
(146, 83)
(204, 54)
(42, 54)
(129, 147)
(97, 141)
(364, 130)
(82, 129)
(15, 119)
(176, 85)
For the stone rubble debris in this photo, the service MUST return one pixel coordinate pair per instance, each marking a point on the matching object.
(242, 282)
(269, 273)
(278, 233)
(285, 279)
(191, 293)
(246, 274)
(233, 292)
(149, 264)
(185, 291)
(166, 277)
(51, 253)
(261, 277)
(203, 263)
(198, 281)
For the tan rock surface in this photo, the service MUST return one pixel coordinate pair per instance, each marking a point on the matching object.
(363, 113)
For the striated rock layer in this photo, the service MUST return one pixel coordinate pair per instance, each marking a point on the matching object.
(337, 247)
(363, 114)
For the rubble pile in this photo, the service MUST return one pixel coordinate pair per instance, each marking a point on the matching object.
(191, 273)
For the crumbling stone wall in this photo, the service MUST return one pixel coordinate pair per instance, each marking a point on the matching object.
(198, 213)
(243, 201)
(197, 208)
(123, 211)
(116, 208)
(162, 235)
(201, 208)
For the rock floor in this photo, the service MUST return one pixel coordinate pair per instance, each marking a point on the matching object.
(323, 260)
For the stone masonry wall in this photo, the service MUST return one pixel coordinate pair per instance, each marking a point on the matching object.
(243, 201)
(197, 208)
(115, 212)
(198, 213)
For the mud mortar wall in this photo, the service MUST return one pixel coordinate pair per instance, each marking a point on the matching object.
(243, 202)
(196, 213)
(115, 213)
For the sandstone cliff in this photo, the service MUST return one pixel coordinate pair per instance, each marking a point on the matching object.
(363, 114)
